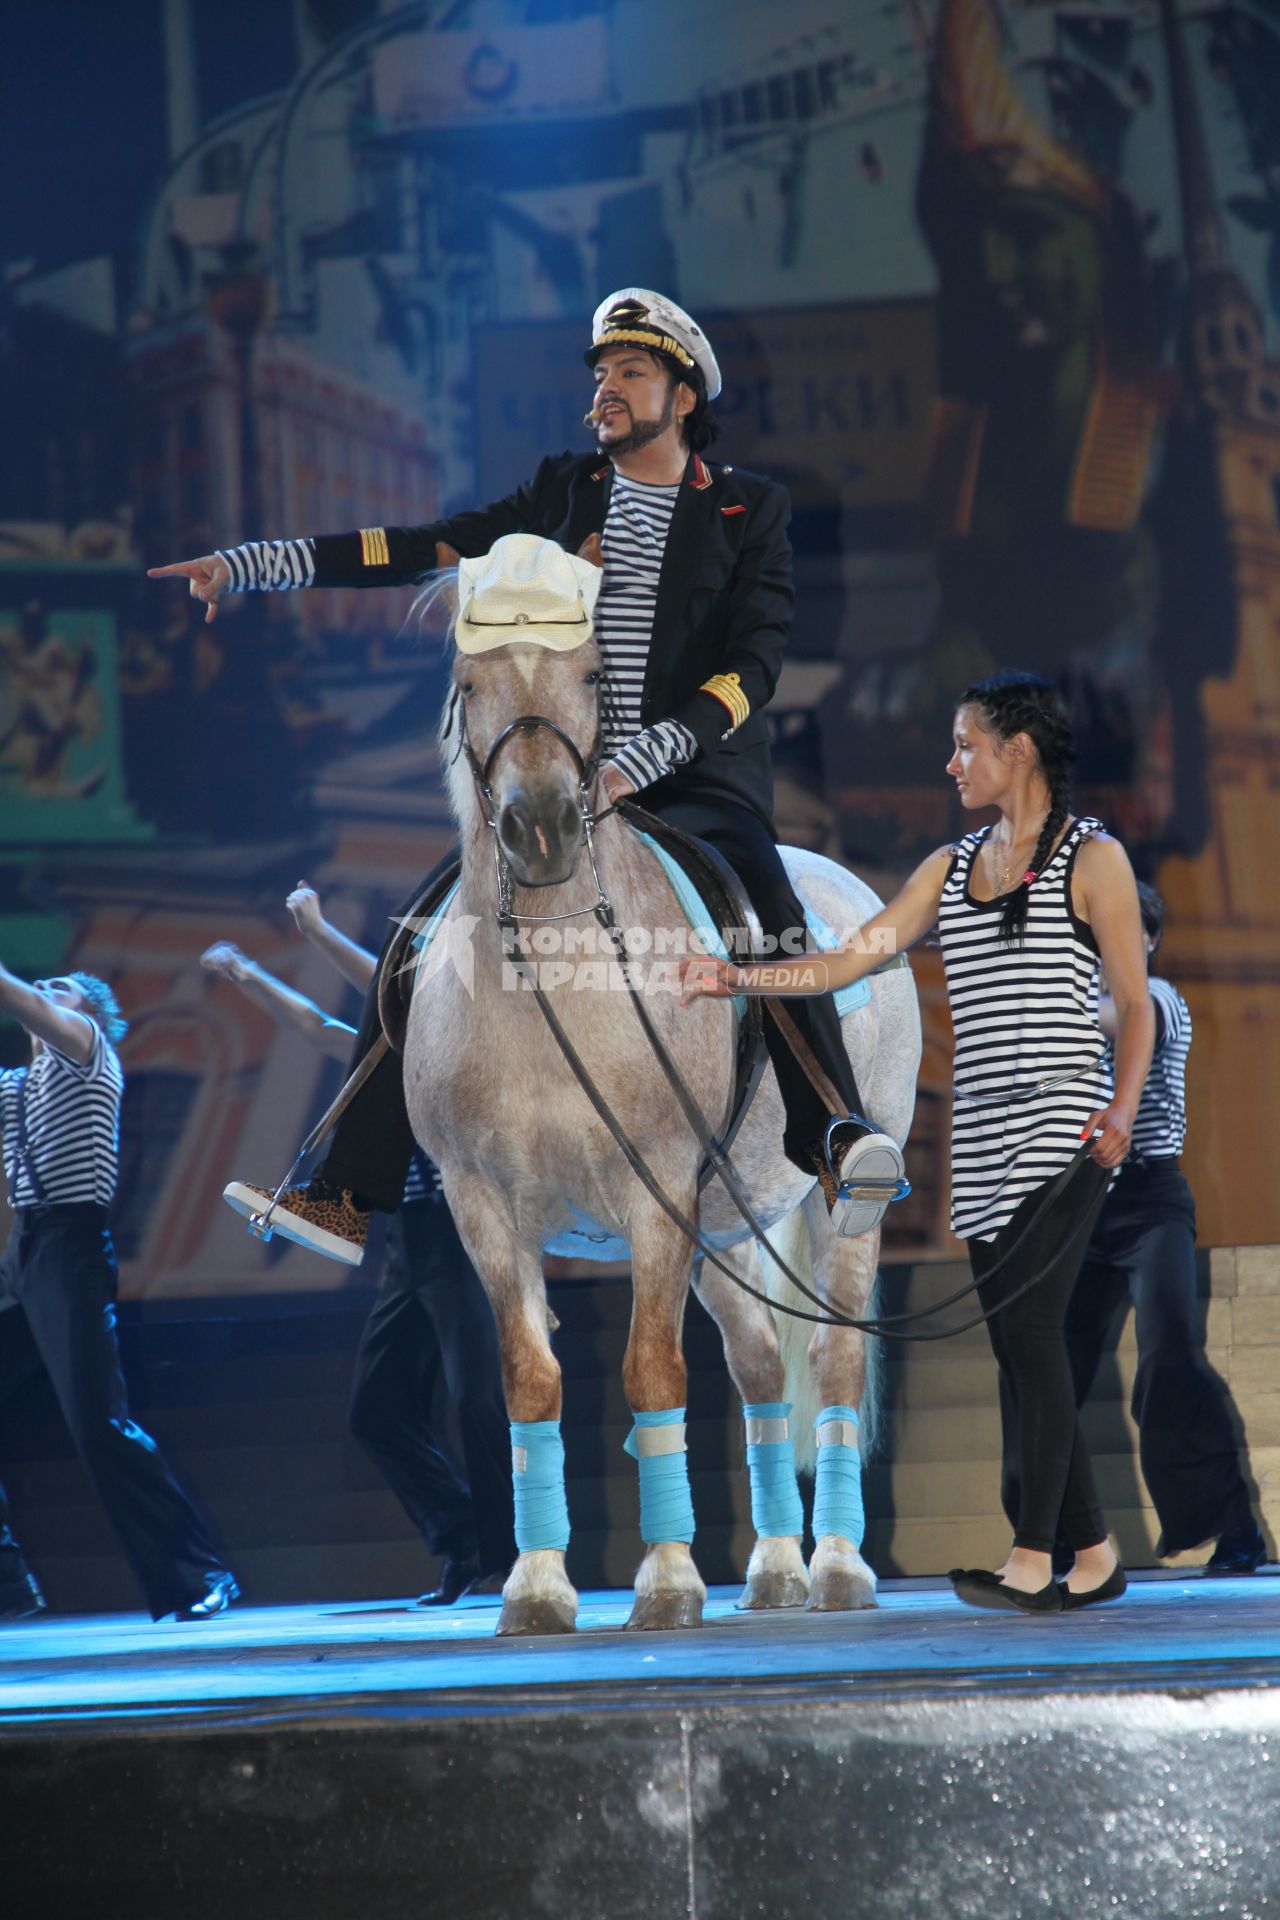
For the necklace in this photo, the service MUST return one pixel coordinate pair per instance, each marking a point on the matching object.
(1000, 849)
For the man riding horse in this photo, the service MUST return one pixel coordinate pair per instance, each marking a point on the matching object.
(692, 621)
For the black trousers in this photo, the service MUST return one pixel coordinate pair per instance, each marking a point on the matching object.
(373, 1141)
(1143, 1251)
(57, 1311)
(431, 1313)
(1049, 1476)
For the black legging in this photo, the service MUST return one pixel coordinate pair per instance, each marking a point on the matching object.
(1056, 1495)
(373, 1140)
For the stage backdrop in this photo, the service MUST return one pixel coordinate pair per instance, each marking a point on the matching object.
(995, 289)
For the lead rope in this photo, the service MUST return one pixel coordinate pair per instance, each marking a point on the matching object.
(883, 1327)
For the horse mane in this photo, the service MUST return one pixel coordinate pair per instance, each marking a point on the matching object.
(441, 584)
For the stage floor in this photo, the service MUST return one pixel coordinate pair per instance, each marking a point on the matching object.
(922, 1761)
(307, 1661)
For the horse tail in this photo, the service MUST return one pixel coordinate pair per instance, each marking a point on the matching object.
(791, 1241)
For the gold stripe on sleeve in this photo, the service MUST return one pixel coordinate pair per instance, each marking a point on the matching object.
(727, 689)
(373, 547)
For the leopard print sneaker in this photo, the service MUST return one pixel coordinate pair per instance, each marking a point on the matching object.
(860, 1179)
(316, 1215)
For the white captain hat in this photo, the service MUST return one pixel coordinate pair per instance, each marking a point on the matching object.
(637, 317)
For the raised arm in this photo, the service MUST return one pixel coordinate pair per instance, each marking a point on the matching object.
(59, 1027)
(1109, 897)
(355, 964)
(907, 918)
(284, 1004)
(367, 557)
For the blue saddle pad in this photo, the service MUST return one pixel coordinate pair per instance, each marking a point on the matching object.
(695, 911)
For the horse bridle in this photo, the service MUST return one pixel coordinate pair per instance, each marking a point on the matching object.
(528, 723)
(585, 766)
(888, 1326)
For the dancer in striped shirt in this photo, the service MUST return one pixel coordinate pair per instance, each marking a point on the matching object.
(1143, 1249)
(60, 1119)
(1025, 909)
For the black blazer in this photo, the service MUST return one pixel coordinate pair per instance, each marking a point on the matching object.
(724, 605)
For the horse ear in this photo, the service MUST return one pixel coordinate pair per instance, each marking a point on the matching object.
(446, 556)
(591, 551)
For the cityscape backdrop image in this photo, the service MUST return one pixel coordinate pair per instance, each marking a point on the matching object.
(995, 290)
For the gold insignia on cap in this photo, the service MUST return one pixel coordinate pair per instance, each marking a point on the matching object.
(649, 337)
(628, 324)
(373, 547)
(727, 689)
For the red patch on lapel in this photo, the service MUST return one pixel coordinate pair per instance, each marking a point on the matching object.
(733, 509)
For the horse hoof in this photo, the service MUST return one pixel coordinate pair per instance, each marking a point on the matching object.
(837, 1592)
(662, 1612)
(773, 1590)
(529, 1616)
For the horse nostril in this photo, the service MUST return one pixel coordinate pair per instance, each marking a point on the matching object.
(568, 822)
(540, 835)
(514, 825)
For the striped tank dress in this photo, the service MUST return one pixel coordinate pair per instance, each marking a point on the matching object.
(1030, 1061)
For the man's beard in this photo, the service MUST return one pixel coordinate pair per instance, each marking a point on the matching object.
(643, 432)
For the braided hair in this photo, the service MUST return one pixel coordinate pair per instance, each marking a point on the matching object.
(1011, 703)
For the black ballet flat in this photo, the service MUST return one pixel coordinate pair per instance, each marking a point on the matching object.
(1111, 1589)
(980, 1589)
(981, 1576)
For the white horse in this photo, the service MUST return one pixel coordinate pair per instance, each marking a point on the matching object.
(527, 1164)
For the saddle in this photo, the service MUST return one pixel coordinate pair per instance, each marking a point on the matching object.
(710, 877)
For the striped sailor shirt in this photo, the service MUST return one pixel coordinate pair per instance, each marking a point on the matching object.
(61, 1124)
(633, 543)
(1030, 1060)
(272, 566)
(1160, 1125)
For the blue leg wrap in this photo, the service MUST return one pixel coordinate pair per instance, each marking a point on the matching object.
(666, 1505)
(775, 1497)
(837, 1493)
(537, 1475)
